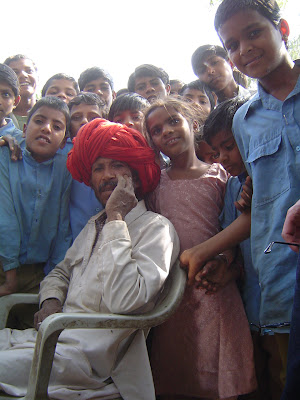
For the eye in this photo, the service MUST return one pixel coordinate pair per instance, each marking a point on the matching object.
(155, 131)
(253, 34)
(174, 121)
(52, 92)
(230, 146)
(6, 95)
(119, 120)
(203, 102)
(140, 87)
(57, 127)
(215, 156)
(232, 47)
(70, 94)
(136, 117)
(76, 118)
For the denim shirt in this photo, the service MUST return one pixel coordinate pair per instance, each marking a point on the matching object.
(34, 210)
(268, 136)
(250, 288)
(10, 129)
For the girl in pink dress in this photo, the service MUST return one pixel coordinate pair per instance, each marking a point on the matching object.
(204, 351)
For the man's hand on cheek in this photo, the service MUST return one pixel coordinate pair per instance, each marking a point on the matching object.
(122, 200)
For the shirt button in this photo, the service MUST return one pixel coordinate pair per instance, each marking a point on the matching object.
(298, 148)
(97, 209)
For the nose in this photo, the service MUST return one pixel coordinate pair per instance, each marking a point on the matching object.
(149, 88)
(166, 129)
(22, 74)
(210, 70)
(128, 122)
(108, 174)
(222, 157)
(84, 121)
(245, 47)
(62, 96)
(46, 128)
(99, 92)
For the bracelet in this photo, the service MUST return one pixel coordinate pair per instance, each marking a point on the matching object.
(222, 255)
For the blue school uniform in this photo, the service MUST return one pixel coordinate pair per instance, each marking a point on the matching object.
(267, 132)
(34, 210)
(250, 289)
(10, 129)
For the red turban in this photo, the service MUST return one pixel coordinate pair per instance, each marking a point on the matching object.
(101, 138)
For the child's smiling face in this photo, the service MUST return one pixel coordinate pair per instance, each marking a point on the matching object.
(253, 43)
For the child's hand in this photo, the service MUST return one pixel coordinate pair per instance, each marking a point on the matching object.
(10, 285)
(193, 259)
(244, 203)
(13, 145)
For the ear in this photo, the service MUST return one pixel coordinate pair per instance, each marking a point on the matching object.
(168, 89)
(284, 29)
(17, 101)
(114, 95)
(63, 143)
(24, 130)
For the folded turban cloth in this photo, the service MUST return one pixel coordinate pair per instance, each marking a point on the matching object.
(101, 138)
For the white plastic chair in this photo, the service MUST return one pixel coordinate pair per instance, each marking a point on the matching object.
(53, 325)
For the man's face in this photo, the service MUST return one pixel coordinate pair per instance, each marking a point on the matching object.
(27, 76)
(81, 114)
(104, 177)
(151, 88)
(102, 88)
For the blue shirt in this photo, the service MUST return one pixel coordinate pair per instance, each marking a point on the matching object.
(34, 210)
(83, 206)
(267, 132)
(68, 146)
(10, 129)
(250, 289)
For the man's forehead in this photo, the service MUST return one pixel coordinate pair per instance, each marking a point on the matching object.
(107, 161)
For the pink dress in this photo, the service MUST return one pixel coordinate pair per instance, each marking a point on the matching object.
(205, 348)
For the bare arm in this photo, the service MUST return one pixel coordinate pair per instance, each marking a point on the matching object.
(195, 258)
(291, 227)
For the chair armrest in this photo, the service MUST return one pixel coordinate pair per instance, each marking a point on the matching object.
(7, 302)
(54, 324)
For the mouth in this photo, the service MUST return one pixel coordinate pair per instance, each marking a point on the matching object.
(252, 61)
(151, 98)
(171, 141)
(43, 139)
(25, 84)
(107, 186)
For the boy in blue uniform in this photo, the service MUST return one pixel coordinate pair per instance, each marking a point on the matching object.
(266, 130)
(34, 201)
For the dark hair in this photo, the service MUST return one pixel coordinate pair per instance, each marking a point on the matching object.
(121, 91)
(93, 73)
(56, 104)
(87, 98)
(9, 76)
(220, 119)
(127, 101)
(19, 57)
(59, 76)
(147, 70)
(206, 50)
(198, 85)
(267, 8)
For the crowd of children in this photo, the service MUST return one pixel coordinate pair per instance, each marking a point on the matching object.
(229, 337)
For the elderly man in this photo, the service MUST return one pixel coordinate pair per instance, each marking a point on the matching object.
(118, 263)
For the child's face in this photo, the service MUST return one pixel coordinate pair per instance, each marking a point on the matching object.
(27, 76)
(81, 115)
(170, 132)
(197, 96)
(131, 118)
(151, 88)
(45, 133)
(253, 43)
(216, 72)
(8, 101)
(63, 89)
(227, 152)
(102, 88)
(205, 152)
